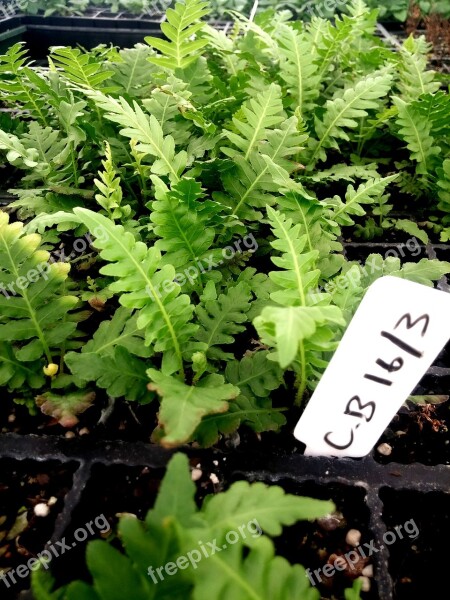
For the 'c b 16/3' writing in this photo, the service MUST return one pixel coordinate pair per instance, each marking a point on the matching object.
(365, 412)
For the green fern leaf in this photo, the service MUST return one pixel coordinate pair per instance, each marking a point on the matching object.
(366, 193)
(251, 183)
(260, 114)
(34, 306)
(223, 317)
(16, 374)
(182, 222)
(80, 67)
(415, 78)
(182, 25)
(120, 373)
(255, 375)
(23, 86)
(131, 70)
(415, 130)
(286, 328)
(108, 184)
(444, 186)
(258, 576)
(183, 406)
(147, 131)
(298, 274)
(345, 110)
(165, 315)
(258, 414)
(297, 68)
(270, 506)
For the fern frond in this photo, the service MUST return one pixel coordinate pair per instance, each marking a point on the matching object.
(250, 183)
(345, 110)
(415, 78)
(183, 406)
(79, 67)
(260, 114)
(32, 298)
(329, 41)
(298, 274)
(108, 184)
(136, 125)
(257, 414)
(23, 86)
(131, 70)
(182, 25)
(109, 358)
(182, 222)
(415, 130)
(164, 315)
(366, 193)
(297, 68)
(221, 318)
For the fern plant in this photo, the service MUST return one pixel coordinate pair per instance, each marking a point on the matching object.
(172, 528)
(35, 320)
(185, 168)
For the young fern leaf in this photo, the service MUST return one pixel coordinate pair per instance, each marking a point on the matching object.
(183, 406)
(289, 326)
(80, 67)
(183, 22)
(271, 506)
(165, 315)
(415, 130)
(366, 193)
(256, 413)
(223, 317)
(343, 112)
(329, 41)
(251, 183)
(254, 574)
(131, 70)
(108, 184)
(415, 78)
(136, 125)
(260, 114)
(33, 305)
(255, 376)
(109, 358)
(22, 86)
(182, 222)
(297, 68)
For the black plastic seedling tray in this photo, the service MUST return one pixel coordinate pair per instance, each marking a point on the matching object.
(88, 31)
(375, 494)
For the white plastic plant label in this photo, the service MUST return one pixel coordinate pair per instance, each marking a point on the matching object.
(394, 337)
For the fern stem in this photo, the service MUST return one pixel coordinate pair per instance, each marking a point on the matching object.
(300, 381)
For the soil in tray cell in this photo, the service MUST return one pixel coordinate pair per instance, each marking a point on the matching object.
(314, 544)
(420, 432)
(410, 251)
(31, 497)
(110, 492)
(419, 566)
(118, 489)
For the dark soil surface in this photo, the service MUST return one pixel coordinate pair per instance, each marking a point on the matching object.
(419, 566)
(23, 534)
